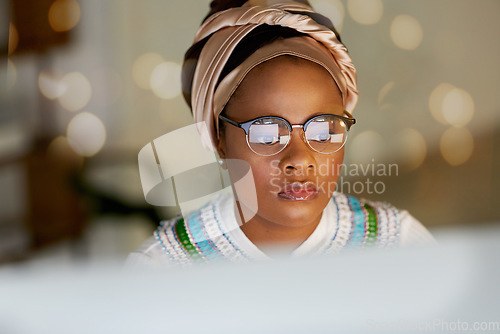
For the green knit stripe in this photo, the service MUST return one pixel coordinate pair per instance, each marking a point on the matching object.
(371, 233)
(180, 230)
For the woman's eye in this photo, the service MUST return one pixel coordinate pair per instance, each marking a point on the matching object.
(267, 134)
(320, 137)
(268, 140)
(318, 131)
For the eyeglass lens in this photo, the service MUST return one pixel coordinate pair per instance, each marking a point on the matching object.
(268, 136)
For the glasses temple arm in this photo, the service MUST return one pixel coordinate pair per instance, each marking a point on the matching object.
(350, 120)
(230, 121)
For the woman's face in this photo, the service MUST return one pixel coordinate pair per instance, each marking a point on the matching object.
(294, 186)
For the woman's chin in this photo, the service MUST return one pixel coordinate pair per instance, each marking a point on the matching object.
(298, 212)
(294, 211)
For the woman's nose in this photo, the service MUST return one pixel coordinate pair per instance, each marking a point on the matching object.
(298, 158)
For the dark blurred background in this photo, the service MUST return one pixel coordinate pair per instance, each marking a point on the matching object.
(84, 85)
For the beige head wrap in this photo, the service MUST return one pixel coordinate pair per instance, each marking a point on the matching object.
(229, 27)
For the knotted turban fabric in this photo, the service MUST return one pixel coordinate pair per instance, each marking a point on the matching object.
(221, 33)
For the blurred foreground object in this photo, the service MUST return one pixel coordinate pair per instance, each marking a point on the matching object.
(452, 285)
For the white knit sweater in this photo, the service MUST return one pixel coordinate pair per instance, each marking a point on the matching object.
(213, 234)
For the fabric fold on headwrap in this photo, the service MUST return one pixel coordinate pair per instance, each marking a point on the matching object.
(302, 47)
(227, 28)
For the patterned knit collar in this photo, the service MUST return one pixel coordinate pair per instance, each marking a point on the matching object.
(212, 232)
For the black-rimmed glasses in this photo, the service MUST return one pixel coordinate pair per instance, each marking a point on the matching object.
(269, 135)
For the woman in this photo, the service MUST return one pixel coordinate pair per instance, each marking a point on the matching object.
(271, 85)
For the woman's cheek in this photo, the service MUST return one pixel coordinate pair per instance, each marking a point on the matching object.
(266, 181)
(263, 178)
(275, 185)
(329, 172)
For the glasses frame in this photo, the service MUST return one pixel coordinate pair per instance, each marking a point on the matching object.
(349, 121)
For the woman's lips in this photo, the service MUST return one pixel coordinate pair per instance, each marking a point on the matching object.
(298, 191)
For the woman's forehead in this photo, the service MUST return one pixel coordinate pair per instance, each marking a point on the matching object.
(288, 87)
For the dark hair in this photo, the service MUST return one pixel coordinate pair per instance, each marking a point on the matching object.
(257, 38)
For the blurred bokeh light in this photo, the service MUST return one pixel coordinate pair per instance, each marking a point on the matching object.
(458, 107)
(456, 145)
(64, 15)
(365, 12)
(436, 100)
(77, 91)
(451, 105)
(86, 134)
(166, 80)
(367, 147)
(143, 68)
(50, 86)
(410, 147)
(406, 32)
